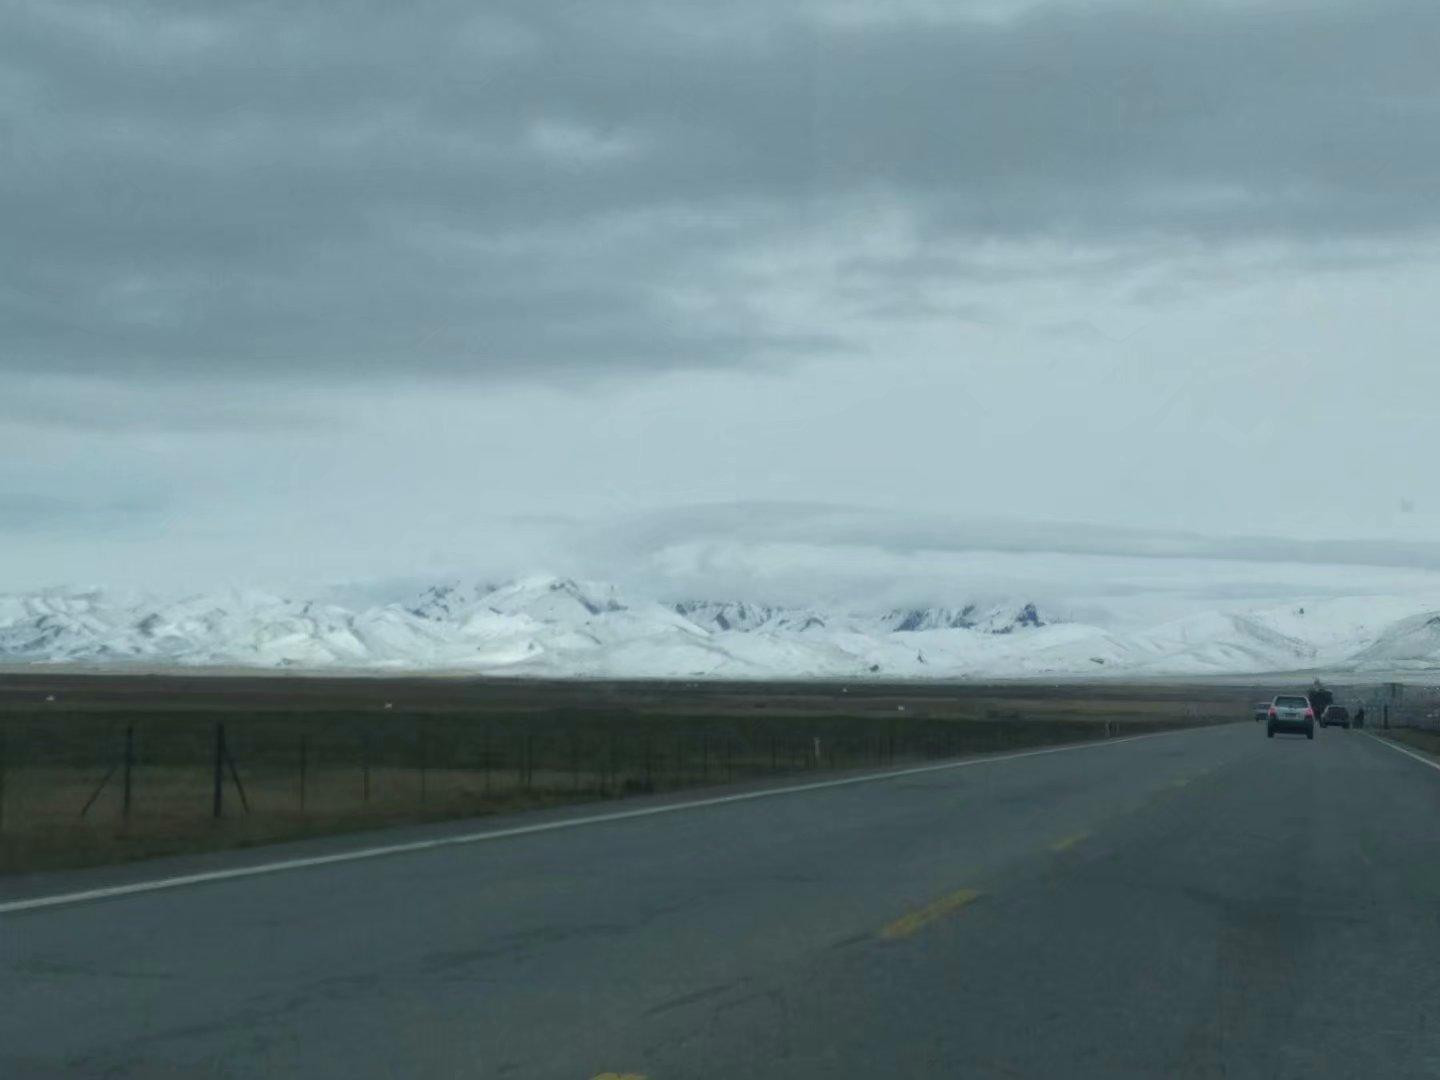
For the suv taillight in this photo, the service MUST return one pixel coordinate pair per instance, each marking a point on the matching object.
(1309, 714)
(1273, 713)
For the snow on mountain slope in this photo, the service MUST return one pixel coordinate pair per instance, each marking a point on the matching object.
(738, 615)
(1411, 644)
(551, 599)
(1334, 633)
(994, 620)
(734, 615)
(441, 602)
(52, 625)
(1338, 627)
(555, 626)
(1220, 641)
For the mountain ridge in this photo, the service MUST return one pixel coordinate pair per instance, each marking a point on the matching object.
(557, 626)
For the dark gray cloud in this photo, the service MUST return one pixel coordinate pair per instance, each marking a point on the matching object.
(363, 189)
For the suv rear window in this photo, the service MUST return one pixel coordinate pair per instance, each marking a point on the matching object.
(1293, 702)
(1338, 710)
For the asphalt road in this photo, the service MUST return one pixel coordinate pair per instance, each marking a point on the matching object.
(1208, 903)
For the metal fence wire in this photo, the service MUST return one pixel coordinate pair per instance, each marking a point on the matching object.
(1404, 705)
(169, 779)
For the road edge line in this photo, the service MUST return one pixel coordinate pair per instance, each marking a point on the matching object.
(484, 836)
(1407, 752)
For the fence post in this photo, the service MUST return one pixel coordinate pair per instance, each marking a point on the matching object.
(219, 780)
(365, 766)
(304, 763)
(424, 759)
(239, 787)
(485, 749)
(129, 765)
(705, 758)
(2, 779)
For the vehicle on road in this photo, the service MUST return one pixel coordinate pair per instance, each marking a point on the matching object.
(1260, 712)
(1337, 715)
(1292, 713)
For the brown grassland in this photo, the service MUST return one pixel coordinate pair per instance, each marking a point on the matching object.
(306, 756)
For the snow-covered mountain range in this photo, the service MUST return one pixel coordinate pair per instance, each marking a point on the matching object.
(551, 626)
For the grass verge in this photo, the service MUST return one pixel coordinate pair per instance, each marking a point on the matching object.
(85, 785)
(1428, 741)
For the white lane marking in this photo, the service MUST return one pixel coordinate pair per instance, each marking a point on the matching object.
(1393, 746)
(182, 880)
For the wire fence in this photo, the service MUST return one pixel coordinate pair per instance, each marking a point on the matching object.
(76, 787)
(1403, 705)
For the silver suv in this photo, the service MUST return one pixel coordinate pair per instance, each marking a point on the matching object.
(1290, 712)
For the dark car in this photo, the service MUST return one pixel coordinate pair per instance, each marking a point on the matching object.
(1335, 714)
(1292, 713)
(1261, 711)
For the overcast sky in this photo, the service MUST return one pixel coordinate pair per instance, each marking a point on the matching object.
(299, 292)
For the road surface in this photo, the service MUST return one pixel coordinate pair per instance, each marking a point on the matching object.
(1206, 903)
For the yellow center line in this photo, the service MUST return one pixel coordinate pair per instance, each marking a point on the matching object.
(906, 925)
(1067, 842)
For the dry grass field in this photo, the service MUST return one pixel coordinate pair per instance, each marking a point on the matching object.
(306, 756)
